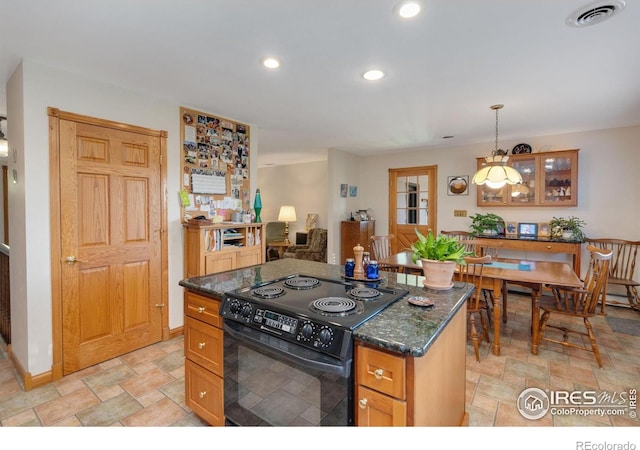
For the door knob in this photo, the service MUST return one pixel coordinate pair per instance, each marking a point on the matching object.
(73, 259)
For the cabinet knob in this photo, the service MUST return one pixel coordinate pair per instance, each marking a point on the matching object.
(378, 374)
(548, 246)
(201, 345)
(201, 309)
(362, 403)
(202, 394)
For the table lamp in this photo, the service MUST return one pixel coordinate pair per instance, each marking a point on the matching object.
(287, 214)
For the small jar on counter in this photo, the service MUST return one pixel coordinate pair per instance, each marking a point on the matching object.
(372, 270)
(366, 259)
(349, 267)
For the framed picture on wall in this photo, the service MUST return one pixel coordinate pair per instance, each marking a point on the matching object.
(458, 185)
(343, 190)
(353, 191)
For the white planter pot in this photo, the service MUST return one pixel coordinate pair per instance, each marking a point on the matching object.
(438, 275)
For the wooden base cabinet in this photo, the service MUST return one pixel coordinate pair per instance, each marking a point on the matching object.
(353, 232)
(221, 247)
(400, 390)
(203, 351)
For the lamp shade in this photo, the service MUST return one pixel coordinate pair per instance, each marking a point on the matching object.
(287, 214)
(496, 173)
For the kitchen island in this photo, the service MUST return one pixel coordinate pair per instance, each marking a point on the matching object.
(409, 361)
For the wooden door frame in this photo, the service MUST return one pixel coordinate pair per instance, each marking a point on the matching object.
(433, 189)
(55, 115)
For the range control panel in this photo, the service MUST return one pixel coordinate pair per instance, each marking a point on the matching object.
(322, 337)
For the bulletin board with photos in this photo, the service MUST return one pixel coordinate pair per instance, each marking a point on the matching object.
(214, 165)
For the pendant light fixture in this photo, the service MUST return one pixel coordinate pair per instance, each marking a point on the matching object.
(496, 173)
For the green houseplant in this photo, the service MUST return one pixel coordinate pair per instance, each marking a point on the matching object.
(486, 224)
(439, 256)
(568, 228)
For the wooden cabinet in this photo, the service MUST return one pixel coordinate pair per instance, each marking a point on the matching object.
(353, 232)
(203, 351)
(548, 179)
(401, 390)
(218, 248)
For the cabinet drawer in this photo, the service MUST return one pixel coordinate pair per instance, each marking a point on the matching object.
(202, 308)
(381, 371)
(203, 344)
(204, 393)
(551, 247)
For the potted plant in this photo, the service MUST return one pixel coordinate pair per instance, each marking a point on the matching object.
(489, 224)
(567, 228)
(439, 256)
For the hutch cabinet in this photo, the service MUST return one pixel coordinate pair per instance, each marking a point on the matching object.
(210, 248)
(354, 232)
(548, 179)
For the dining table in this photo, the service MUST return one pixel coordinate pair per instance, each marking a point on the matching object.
(531, 274)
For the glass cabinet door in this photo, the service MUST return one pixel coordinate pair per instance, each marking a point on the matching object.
(524, 194)
(560, 176)
(488, 196)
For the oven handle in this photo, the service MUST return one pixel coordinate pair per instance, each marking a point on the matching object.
(287, 350)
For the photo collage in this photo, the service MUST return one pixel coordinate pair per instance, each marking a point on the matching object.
(215, 160)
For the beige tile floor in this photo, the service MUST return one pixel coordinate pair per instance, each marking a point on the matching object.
(146, 388)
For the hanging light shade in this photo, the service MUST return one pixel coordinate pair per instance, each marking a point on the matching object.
(496, 173)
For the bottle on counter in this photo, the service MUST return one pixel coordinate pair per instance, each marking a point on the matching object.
(349, 267)
(372, 270)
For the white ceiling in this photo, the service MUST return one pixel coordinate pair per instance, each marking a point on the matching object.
(444, 68)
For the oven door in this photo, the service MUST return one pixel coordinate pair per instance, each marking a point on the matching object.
(269, 381)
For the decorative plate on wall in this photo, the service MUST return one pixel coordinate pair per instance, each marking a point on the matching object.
(521, 148)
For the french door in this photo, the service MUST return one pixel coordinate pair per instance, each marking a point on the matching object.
(412, 204)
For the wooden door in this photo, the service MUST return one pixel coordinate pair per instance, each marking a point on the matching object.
(110, 242)
(412, 204)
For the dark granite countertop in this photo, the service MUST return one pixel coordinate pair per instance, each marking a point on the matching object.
(402, 327)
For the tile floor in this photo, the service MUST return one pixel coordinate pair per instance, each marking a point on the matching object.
(146, 387)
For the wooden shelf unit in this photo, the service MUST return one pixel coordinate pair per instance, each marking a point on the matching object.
(213, 248)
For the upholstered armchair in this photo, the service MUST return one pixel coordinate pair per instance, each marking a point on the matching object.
(315, 250)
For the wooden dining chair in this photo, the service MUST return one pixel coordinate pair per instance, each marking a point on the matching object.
(477, 306)
(575, 303)
(621, 268)
(461, 236)
(381, 246)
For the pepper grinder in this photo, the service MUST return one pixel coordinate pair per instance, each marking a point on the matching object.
(358, 272)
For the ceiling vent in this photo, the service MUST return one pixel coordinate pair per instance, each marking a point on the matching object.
(595, 13)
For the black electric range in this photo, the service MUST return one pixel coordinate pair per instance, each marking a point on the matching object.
(316, 313)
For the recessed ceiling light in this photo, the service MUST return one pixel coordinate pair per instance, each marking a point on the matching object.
(271, 63)
(373, 75)
(408, 10)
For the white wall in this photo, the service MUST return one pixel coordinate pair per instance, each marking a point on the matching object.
(31, 89)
